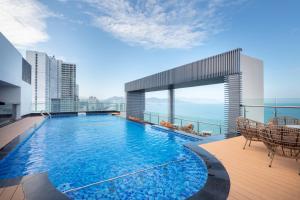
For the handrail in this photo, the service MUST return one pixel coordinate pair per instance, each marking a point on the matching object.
(266, 106)
(42, 113)
(201, 122)
(198, 121)
(80, 106)
(49, 114)
(218, 126)
(45, 112)
(275, 108)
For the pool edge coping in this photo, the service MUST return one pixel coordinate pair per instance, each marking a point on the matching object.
(217, 185)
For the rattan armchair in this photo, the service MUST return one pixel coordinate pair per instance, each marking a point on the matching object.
(284, 120)
(281, 140)
(249, 129)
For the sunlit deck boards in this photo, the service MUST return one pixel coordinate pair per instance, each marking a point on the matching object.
(12, 193)
(250, 176)
(9, 132)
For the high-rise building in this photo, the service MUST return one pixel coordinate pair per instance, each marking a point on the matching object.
(40, 79)
(68, 87)
(93, 104)
(54, 78)
(77, 92)
(53, 83)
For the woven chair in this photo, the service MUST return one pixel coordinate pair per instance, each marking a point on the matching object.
(281, 140)
(249, 129)
(284, 120)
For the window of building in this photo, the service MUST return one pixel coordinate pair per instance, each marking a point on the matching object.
(26, 71)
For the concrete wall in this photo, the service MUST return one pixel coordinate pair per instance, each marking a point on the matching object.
(19, 91)
(253, 86)
(135, 102)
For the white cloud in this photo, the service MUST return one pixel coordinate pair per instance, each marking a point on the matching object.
(23, 22)
(158, 23)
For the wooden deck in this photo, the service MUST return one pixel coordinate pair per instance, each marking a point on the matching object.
(9, 132)
(250, 176)
(12, 193)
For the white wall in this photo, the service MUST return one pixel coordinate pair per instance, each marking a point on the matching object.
(26, 103)
(253, 86)
(11, 72)
(10, 94)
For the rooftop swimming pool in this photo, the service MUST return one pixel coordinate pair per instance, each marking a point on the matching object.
(107, 157)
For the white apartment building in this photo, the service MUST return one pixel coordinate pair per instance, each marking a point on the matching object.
(40, 79)
(54, 77)
(53, 83)
(15, 81)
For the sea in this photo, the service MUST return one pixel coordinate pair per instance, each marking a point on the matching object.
(213, 113)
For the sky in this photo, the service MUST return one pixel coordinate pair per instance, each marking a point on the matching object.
(116, 41)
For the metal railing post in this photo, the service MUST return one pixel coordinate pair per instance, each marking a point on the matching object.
(158, 119)
(150, 117)
(181, 122)
(220, 127)
(198, 127)
(275, 112)
(244, 111)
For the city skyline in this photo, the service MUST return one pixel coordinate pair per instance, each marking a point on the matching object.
(92, 37)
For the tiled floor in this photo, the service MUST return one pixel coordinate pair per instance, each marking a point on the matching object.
(9, 132)
(250, 176)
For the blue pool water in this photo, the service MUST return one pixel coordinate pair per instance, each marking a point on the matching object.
(79, 151)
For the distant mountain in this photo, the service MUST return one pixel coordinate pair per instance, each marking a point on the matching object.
(200, 101)
(114, 99)
(117, 99)
(185, 100)
(154, 100)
